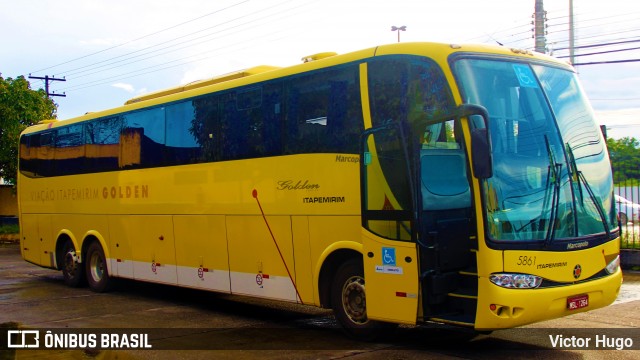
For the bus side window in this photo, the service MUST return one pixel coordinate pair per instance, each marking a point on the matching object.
(69, 150)
(206, 127)
(307, 102)
(27, 166)
(45, 153)
(250, 125)
(182, 146)
(271, 142)
(323, 112)
(143, 138)
(102, 139)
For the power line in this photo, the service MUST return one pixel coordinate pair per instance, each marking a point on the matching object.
(162, 66)
(601, 52)
(595, 19)
(602, 35)
(144, 36)
(146, 70)
(607, 62)
(93, 69)
(600, 44)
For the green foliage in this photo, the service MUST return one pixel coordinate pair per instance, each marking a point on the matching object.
(19, 107)
(625, 160)
(9, 229)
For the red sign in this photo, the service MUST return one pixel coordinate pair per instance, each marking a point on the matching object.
(577, 302)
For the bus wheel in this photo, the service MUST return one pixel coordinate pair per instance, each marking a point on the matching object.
(623, 218)
(71, 269)
(97, 272)
(348, 300)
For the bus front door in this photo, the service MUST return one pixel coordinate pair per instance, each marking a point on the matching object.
(388, 234)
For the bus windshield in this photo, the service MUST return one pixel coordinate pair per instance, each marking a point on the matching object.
(551, 173)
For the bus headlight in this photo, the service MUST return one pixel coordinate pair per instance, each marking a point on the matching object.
(613, 265)
(516, 281)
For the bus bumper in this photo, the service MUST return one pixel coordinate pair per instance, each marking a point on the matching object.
(501, 308)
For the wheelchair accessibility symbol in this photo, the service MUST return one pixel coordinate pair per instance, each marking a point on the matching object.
(525, 76)
(388, 256)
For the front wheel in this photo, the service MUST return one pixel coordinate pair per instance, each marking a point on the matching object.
(97, 272)
(349, 303)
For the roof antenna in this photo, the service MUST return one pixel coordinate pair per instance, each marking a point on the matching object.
(494, 39)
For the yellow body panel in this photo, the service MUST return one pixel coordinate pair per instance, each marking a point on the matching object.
(201, 244)
(30, 239)
(391, 273)
(559, 266)
(516, 307)
(164, 224)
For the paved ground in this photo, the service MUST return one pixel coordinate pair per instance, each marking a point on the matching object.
(239, 328)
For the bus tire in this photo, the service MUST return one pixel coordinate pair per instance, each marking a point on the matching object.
(623, 218)
(71, 268)
(349, 305)
(96, 267)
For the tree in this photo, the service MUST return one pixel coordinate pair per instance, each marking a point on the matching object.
(19, 107)
(625, 158)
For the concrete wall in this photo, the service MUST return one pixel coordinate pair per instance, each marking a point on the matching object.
(8, 201)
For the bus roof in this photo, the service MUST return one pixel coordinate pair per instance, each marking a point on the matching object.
(201, 83)
(438, 51)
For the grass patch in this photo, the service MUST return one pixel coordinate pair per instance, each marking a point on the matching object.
(9, 229)
(629, 240)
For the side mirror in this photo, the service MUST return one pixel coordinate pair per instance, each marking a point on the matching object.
(481, 152)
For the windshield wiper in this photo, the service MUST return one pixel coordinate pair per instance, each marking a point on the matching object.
(554, 177)
(579, 176)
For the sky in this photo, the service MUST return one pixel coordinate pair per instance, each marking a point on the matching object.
(109, 51)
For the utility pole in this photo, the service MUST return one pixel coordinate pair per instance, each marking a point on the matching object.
(572, 35)
(540, 28)
(46, 79)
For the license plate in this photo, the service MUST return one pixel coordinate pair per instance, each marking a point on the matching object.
(577, 302)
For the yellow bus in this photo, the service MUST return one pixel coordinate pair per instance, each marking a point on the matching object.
(459, 184)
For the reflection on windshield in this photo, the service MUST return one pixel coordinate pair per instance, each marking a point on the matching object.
(536, 113)
(585, 149)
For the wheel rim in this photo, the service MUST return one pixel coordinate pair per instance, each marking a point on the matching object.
(70, 263)
(354, 301)
(97, 267)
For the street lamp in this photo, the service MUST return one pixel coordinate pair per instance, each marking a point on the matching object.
(398, 29)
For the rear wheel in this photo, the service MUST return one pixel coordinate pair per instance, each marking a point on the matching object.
(71, 268)
(348, 300)
(96, 266)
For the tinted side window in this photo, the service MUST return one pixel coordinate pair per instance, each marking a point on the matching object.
(323, 112)
(69, 150)
(407, 88)
(182, 145)
(319, 111)
(143, 139)
(234, 127)
(27, 161)
(250, 122)
(45, 153)
(102, 138)
(205, 127)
